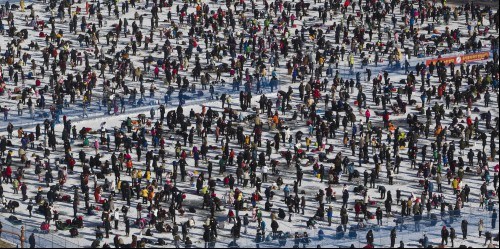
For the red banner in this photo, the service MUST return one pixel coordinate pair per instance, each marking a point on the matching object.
(459, 59)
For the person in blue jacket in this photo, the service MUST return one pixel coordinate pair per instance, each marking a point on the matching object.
(330, 215)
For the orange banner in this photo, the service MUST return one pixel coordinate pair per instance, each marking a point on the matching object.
(459, 59)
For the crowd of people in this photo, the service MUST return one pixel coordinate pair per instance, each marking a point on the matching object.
(273, 94)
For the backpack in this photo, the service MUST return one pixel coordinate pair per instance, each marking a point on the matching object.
(45, 227)
(161, 242)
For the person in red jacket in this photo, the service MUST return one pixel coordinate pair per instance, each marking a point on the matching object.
(316, 94)
(157, 72)
(367, 115)
(469, 121)
(357, 209)
(386, 119)
(8, 174)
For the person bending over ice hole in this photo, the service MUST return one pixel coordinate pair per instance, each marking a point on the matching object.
(311, 223)
(382, 191)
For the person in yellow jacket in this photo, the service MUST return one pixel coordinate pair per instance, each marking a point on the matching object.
(321, 61)
(144, 194)
(148, 175)
(308, 143)
(15, 186)
(204, 190)
(351, 60)
(454, 185)
(21, 5)
(409, 206)
(140, 174)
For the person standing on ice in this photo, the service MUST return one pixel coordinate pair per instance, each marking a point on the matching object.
(32, 241)
(393, 237)
(330, 215)
(20, 108)
(367, 115)
(444, 236)
(480, 227)
(370, 238)
(494, 219)
(452, 236)
(464, 227)
(96, 146)
(152, 113)
(5, 113)
(84, 109)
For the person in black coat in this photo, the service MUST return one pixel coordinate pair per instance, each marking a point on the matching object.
(393, 237)
(116, 241)
(464, 228)
(488, 237)
(494, 219)
(369, 237)
(401, 244)
(32, 241)
(188, 243)
(127, 227)
(184, 229)
(206, 235)
(275, 226)
(30, 208)
(107, 227)
(444, 235)
(24, 190)
(379, 216)
(245, 223)
(453, 235)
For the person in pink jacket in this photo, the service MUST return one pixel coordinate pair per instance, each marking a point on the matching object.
(96, 146)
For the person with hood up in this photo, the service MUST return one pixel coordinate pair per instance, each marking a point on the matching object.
(444, 235)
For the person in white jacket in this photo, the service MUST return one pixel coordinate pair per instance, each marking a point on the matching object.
(481, 227)
(287, 135)
(112, 188)
(116, 215)
(20, 109)
(32, 111)
(265, 170)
